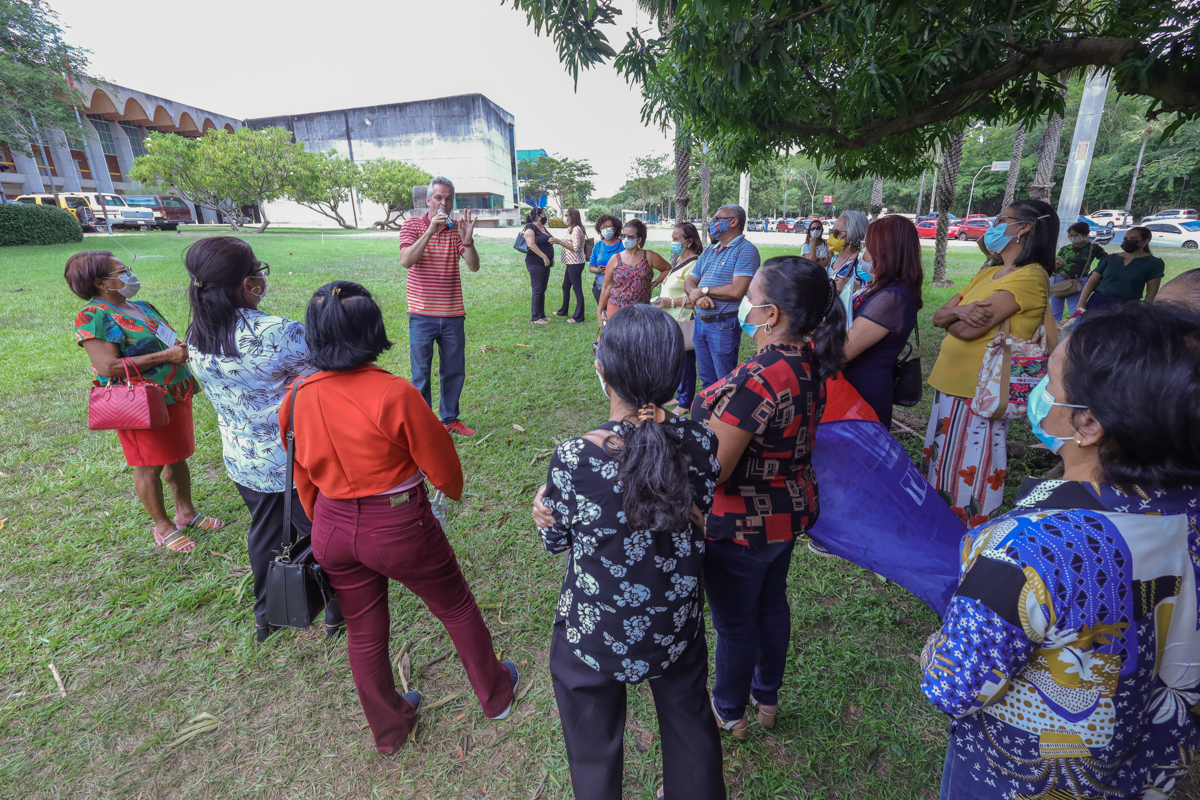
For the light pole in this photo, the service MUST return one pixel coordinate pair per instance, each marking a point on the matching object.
(971, 196)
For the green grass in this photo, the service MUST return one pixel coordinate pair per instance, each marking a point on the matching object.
(145, 640)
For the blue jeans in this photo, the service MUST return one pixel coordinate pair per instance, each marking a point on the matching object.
(1057, 303)
(687, 384)
(717, 346)
(747, 597)
(451, 337)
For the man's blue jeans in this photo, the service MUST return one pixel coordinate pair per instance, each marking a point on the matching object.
(451, 337)
(747, 597)
(717, 346)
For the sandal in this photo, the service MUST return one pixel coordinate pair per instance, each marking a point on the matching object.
(738, 728)
(766, 714)
(176, 542)
(201, 522)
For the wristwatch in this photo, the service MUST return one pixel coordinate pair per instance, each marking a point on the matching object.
(704, 291)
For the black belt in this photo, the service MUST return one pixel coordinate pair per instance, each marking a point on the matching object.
(718, 317)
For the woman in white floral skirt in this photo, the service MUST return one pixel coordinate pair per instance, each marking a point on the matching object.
(622, 502)
(245, 360)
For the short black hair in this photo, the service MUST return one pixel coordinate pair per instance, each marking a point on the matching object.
(85, 268)
(638, 226)
(1137, 370)
(808, 297)
(343, 327)
(1079, 227)
(607, 218)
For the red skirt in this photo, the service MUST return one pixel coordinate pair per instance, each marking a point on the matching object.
(157, 447)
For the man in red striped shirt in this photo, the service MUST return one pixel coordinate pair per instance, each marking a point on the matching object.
(430, 247)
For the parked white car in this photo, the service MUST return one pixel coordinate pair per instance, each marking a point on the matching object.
(1171, 213)
(120, 213)
(1110, 217)
(1175, 233)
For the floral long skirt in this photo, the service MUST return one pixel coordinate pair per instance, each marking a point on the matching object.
(966, 456)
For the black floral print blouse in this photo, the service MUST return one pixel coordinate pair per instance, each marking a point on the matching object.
(630, 599)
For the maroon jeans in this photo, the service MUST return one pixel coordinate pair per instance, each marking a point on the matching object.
(360, 544)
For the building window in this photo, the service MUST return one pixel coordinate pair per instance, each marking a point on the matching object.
(135, 138)
(81, 164)
(44, 161)
(7, 164)
(114, 168)
(103, 134)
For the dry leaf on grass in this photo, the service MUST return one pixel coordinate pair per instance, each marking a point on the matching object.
(517, 427)
(538, 791)
(439, 703)
(201, 723)
(2, 521)
(62, 690)
(488, 348)
(518, 344)
(405, 672)
(642, 740)
(521, 694)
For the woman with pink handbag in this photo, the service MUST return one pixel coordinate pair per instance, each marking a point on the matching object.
(123, 336)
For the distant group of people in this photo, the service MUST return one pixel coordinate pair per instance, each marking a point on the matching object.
(1067, 657)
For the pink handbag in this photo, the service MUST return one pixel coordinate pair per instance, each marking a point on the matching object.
(134, 404)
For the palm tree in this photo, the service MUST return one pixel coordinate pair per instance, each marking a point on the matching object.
(683, 168)
(1043, 179)
(1150, 127)
(705, 186)
(876, 204)
(1014, 166)
(947, 186)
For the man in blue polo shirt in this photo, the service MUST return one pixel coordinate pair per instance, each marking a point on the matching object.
(716, 287)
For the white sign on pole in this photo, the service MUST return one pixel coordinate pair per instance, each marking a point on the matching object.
(1001, 166)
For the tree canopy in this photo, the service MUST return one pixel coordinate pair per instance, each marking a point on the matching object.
(563, 180)
(865, 88)
(324, 182)
(35, 73)
(390, 183)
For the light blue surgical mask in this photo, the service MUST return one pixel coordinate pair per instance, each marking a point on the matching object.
(630, 242)
(862, 270)
(676, 249)
(995, 238)
(744, 310)
(608, 233)
(1040, 403)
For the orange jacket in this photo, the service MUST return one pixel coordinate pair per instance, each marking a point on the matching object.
(365, 431)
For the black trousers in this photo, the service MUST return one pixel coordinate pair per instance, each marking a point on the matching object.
(265, 540)
(539, 276)
(573, 279)
(591, 707)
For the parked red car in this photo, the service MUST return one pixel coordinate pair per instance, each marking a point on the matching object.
(974, 228)
(169, 212)
(928, 230)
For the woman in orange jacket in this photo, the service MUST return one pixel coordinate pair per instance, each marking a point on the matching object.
(365, 442)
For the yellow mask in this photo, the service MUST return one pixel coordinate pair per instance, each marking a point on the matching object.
(836, 244)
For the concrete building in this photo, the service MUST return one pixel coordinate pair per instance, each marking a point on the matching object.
(115, 121)
(467, 138)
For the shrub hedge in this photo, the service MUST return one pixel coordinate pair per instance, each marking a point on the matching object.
(556, 222)
(30, 224)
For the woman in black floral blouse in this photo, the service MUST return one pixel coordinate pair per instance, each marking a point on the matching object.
(765, 415)
(623, 501)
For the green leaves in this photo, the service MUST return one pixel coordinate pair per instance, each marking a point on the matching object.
(323, 182)
(34, 70)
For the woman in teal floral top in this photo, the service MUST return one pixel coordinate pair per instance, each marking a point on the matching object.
(116, 330)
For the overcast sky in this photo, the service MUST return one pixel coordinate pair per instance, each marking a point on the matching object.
(258, 58)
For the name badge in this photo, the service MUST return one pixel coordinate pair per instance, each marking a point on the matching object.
(166, 335)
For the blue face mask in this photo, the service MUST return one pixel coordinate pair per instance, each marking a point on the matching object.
(744, 310)
(717, 227)
(1040, 403)
(676, 249)
(995, 238)
(862, 271)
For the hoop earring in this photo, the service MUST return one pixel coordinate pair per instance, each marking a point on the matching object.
(767, 327)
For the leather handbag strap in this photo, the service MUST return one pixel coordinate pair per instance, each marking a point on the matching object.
(291, 462)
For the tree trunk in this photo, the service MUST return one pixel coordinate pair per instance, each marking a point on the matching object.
(683, 169)
(1043, 180)
(265, 222)
(1136, 171)
(1014, 167)
(921, 192)
(937, 163)
(876, 205)
(946, 188)
(705, 187)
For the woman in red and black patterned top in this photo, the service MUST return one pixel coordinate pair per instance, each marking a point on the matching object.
(765, 414)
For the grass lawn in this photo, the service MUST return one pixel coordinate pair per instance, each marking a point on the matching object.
(145, 640)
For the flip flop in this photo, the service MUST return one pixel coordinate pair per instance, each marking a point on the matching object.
(201, 522)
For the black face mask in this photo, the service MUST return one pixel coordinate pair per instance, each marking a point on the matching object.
(1131, 247)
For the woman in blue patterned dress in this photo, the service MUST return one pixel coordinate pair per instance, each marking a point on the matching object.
(624, 501)
(245, 360)
(1069, 657)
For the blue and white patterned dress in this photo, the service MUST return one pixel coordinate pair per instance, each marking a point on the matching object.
(1070, 656)
(246, 392)
(630, 600)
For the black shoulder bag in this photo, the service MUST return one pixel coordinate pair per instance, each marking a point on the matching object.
(906, 377)
(297, 588)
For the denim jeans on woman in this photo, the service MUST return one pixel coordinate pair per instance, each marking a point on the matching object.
(747, 596)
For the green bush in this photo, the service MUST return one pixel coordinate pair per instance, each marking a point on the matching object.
(30, 224)
(556, 222)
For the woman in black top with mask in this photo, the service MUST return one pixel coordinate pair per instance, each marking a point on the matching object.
(1122, 277)
(538, 259)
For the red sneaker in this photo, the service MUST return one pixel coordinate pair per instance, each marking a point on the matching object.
(458, 428)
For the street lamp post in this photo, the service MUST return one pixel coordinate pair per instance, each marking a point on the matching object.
(971, 196)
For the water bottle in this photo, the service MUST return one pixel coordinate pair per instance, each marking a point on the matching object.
(440, 511)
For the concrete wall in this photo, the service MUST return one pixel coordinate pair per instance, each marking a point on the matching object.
(465, 138)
